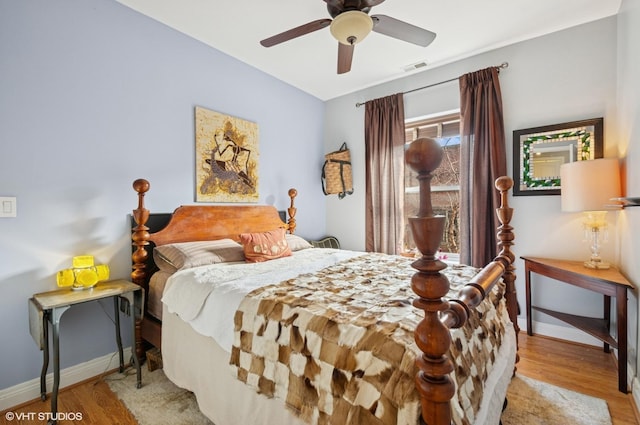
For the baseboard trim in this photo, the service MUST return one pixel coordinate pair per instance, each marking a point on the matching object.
(561, 332)
(30, 390)
(635, 394)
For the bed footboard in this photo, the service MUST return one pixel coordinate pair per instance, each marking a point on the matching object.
(432, 334)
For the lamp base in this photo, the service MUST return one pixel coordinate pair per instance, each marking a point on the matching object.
(599, 265)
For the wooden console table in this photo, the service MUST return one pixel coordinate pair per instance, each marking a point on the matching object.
(608, 282)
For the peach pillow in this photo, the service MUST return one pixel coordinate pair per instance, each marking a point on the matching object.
(259, 247)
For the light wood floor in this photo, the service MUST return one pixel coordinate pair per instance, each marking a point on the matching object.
(584, 369)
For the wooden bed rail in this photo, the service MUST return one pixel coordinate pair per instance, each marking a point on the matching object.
(432, 334)
(472, 294)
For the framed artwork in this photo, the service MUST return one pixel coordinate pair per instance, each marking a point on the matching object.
(226, 158)
(539, 152)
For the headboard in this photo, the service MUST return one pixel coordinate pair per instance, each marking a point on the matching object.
(185, 225)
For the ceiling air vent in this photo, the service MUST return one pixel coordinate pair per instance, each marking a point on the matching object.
(415, 66)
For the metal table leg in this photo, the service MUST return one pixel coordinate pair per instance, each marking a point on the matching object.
(116, 304)
(45, 356)
(56, 314)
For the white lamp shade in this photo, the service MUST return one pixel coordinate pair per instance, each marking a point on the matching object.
(589, 185)
(351, 27)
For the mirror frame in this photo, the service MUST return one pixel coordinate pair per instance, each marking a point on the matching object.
(588, 135)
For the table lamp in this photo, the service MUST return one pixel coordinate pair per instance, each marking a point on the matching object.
(84, 274)
(587, 187)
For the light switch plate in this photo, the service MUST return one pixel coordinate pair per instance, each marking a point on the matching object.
(7, 206)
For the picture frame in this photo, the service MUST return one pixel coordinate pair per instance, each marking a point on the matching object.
(227, 158)
(538, 153)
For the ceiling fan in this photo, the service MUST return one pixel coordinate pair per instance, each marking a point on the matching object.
(351, 23)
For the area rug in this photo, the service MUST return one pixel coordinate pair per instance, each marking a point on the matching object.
(531, 402)
(159, 401)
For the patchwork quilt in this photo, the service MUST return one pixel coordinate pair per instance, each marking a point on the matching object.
(337, 345)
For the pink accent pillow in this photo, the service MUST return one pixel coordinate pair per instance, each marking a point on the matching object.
(259, 247)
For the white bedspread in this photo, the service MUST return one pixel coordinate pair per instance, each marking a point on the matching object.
(207, 297)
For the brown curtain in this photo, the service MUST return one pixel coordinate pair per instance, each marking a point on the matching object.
(384, 155)
(483, 160)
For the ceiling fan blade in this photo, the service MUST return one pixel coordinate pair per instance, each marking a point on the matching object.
(335, 3)
(359, 4)
(370, 3)
(402, 30)
(296, 32)
(345, 55)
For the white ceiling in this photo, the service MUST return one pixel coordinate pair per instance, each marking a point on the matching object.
(463, 27)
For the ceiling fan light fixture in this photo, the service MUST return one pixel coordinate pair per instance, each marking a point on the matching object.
(351, 27)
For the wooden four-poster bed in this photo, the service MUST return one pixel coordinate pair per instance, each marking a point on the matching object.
(323, 335)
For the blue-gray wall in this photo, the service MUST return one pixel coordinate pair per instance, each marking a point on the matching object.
(92, 96)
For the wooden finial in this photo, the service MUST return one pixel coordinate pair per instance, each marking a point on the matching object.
(292, 210)
(141, 186)
(140, 235)
(424, 156)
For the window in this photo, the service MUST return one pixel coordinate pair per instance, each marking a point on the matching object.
(445, 185)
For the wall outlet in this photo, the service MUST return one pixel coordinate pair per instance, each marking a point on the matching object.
(7, 206)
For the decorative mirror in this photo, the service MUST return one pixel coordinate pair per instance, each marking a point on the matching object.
(539, 152)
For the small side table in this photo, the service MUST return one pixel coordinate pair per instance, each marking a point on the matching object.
(608, 282)
(50, 306)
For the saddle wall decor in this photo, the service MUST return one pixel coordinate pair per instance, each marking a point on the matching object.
(226, 158)
(336, 173)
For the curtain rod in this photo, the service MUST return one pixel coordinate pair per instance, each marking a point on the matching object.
(502, 65)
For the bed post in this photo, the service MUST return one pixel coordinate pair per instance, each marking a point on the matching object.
(432, 336)
(505, 242)
(140, 237)
(292, 211)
